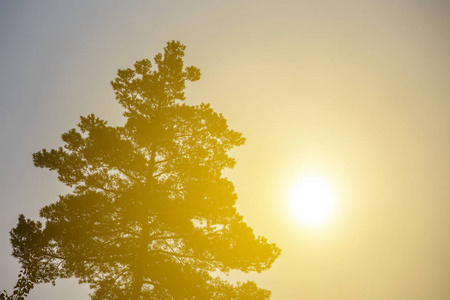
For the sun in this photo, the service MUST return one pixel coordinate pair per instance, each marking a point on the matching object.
(312, 200)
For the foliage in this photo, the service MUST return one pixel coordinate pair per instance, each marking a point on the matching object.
(150, 215)
(25, 282)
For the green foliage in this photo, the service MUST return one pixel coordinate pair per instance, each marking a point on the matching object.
(21, 289)
(150, 215)
(26, 278)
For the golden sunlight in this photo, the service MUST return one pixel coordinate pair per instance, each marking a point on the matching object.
(312, 200)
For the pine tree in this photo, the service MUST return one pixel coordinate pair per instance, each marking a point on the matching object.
(150, 214)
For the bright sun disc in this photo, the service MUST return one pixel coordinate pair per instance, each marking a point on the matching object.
(312, 200)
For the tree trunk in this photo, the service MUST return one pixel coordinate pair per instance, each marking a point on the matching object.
(137, 286)
(140, 263)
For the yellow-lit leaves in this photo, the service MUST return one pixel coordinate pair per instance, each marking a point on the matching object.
(150, 212)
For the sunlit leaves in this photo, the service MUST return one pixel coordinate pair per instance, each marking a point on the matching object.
(150, 215)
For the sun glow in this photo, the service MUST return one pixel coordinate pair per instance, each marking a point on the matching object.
(312, 200)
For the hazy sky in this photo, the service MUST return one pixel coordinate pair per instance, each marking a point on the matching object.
(355, 90)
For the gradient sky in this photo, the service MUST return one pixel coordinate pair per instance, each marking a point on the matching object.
(355, 90)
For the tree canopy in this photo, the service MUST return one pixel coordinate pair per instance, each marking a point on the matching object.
(150, 214)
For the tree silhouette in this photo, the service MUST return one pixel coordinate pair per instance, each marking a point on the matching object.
(150, 215)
